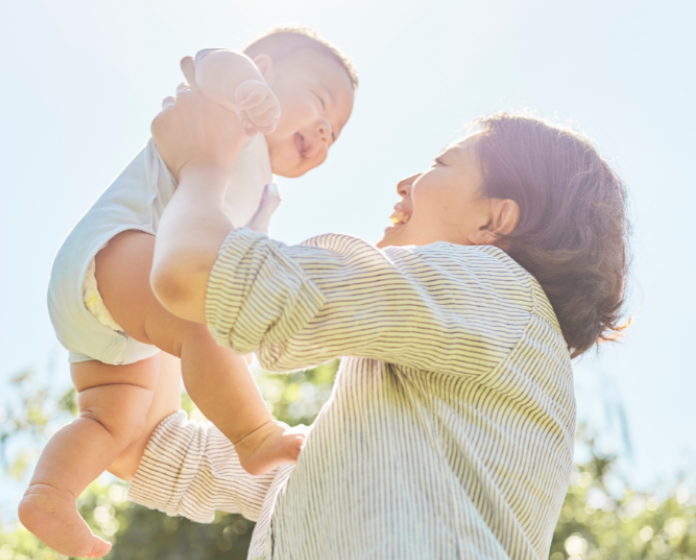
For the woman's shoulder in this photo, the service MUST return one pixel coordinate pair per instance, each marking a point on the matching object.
(340, 242)
(473, 255)
(480, 259)
(489, 270)
(483, 269)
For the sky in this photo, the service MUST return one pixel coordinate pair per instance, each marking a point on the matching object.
(83, 79)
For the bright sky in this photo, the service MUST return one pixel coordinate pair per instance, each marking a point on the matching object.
(83, 80)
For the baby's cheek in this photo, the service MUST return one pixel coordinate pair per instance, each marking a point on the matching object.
(279, 164)
(292, 115)
(275, 154)
(320, 158)
(283, 162)
(272, 142)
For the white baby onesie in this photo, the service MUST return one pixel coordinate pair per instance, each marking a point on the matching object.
(136, 201)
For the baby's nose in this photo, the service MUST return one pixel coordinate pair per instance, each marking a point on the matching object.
(324, 131)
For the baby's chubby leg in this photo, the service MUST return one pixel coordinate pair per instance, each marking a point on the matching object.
(166, 401)
(113, 403)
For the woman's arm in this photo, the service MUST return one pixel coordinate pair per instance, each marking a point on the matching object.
(191, 231)
(199, 141)
(303, 305)
(191, 469)
(299, 306)
(442, 307)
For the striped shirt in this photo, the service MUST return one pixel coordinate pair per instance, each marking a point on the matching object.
(449, 431)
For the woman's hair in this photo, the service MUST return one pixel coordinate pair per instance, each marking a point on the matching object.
(572, 233)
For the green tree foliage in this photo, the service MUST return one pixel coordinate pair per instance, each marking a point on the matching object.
(602, 517)
(139, 533)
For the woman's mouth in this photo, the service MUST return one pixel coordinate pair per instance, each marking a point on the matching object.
(399, 218)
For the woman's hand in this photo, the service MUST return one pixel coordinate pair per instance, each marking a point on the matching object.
(193, 131)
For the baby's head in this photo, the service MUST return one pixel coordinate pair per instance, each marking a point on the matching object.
(315, 85)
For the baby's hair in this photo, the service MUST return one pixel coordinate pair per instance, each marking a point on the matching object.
(573, 231)
(281, 42)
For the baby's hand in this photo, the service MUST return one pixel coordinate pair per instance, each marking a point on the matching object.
(259, 109)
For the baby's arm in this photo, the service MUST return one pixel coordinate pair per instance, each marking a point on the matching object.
(234, 81)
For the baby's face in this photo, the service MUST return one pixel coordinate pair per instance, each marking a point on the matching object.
(316, 100)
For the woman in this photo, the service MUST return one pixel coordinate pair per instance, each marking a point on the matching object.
(449, 433)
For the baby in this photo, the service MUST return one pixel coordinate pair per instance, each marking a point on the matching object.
(297, 90)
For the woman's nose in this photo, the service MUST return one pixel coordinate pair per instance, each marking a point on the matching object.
(403, 187)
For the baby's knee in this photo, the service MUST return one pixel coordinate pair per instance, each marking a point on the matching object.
(124, 424)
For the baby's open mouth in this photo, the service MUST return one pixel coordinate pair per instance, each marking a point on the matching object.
(399, 218)
(301, 145)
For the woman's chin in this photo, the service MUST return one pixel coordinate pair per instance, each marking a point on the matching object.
(390, 237)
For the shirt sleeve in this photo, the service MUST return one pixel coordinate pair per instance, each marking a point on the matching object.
(191, 469)
(338, 296)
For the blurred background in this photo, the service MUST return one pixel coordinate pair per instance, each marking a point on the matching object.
(84, 79)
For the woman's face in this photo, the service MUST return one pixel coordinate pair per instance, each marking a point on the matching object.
(444, 203)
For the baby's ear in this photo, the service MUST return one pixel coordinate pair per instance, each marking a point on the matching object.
(264, 63)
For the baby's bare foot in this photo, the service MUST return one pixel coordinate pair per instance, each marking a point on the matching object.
(268, 447)
(51, 515)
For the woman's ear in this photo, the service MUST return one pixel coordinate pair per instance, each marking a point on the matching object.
(264, 63)
(504, 215)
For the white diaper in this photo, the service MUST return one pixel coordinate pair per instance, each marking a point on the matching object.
(93, 300)
(136, 201)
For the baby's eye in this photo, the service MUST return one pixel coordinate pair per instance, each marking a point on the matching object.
(321, 100)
